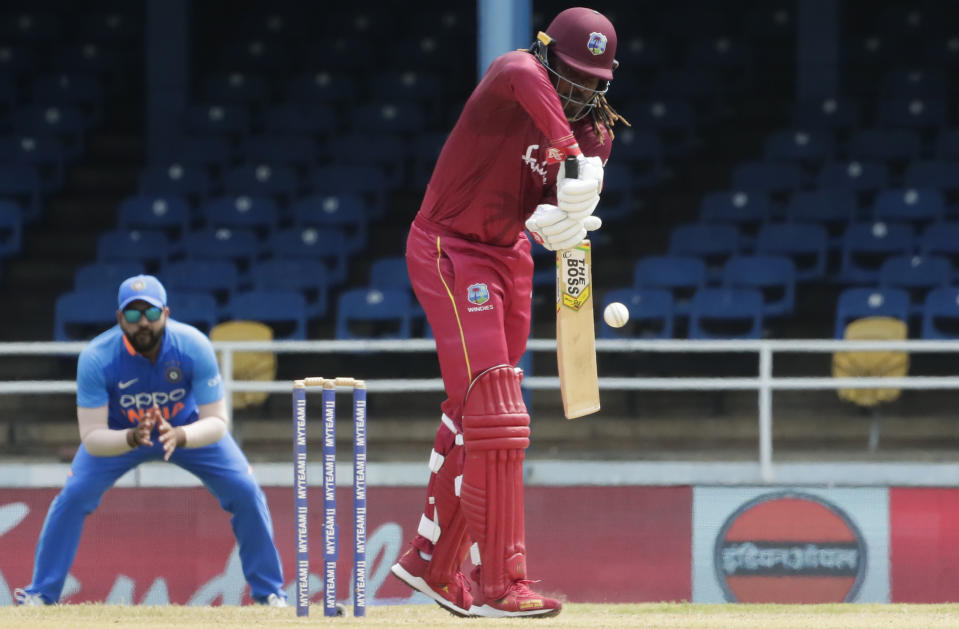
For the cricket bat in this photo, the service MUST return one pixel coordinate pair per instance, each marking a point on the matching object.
(575, 335)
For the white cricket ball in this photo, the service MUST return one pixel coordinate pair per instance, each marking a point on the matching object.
(616, 315)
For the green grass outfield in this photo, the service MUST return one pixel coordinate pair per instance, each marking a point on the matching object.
(649, 615)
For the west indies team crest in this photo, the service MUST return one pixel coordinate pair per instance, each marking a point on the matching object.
(596, 43)
(477, 294)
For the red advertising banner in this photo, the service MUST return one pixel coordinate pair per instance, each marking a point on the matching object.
(156, 546)
(924, 545)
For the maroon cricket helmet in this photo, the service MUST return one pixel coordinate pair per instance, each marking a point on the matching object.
(585, 40)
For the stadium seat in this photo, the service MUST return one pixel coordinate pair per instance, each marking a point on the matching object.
(935, 173)
(256, 56)
(942, 239)
(260, 214)
(867, 245)
(320, 88)
(167, 213)
(66, 90)
(20, 183)
(69, 124)
(106, 275)
(832, 208)
(947, 145)
(218, 278)
(642, 150)
(239, 245)
(11, 229)
(940, 314)
(806, 244)
(618, 203)
(297, 151)
(650, 313)
(916, 274)
(389, 272)
(191, 181)
(778, 179)
(859, 302)
(45, 153)
(716, 313)
(837, 115)
(198, 309)
(808, 148)
(384, 151)
(283, 310)
(327, 245)
(152, 248)
(915, 114)
(406, 86)
(341, 211)
(232, 121)
(369, 182)
(893, 147)
(680, 275)
(673, 119)
(773, 276)
(303, 275)
(82, 314)
(247, 365)
(312, 121)
(916, 206)
(389, 117)
(234, 88)
(748, 210)
(713, 243)
(913, 83)
(860, 176)
(373, 313)
(213, 154)
(424, 150)
(274, 181)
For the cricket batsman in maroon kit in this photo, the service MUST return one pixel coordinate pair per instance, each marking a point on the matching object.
(500, 172)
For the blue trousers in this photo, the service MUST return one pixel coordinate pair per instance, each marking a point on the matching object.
(223, 469)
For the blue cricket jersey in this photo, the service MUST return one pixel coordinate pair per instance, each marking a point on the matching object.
(185, 375)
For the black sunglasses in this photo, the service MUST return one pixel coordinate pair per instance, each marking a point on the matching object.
(132, 315)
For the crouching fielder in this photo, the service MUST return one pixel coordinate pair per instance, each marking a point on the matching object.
(470, 265)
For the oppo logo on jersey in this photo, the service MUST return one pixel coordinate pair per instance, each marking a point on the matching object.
(169, 403)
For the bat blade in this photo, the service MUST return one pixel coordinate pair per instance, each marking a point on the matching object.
(575, 335)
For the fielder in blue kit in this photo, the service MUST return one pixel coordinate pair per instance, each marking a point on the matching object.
(149, 389)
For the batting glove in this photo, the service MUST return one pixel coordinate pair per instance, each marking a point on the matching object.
(579, 197)
(555, 229)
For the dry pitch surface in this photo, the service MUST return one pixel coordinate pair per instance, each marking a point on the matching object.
(652, 616)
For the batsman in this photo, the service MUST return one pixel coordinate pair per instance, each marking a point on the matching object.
(500, 172)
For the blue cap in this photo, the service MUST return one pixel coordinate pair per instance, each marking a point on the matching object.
(145, 287)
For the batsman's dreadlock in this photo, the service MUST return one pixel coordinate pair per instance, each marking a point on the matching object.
(605, 116)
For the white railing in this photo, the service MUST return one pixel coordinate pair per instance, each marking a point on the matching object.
(764, 382)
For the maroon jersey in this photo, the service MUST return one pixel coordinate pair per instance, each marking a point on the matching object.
(501, 159)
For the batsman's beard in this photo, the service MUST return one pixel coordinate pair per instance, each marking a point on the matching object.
(144, 339)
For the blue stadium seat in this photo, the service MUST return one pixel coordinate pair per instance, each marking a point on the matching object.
(210, 152)
(748, 210)
(806, 244)
(152, 248)
(773, 275)
(935, 173)
(106, 275)
(69, 124)
(314, 121)
(65, 90)
(889, 146)
(90, 58)
(167, 213)
(218, 278)
(327, 245)
(288, 150)
(809, 148)
(257, 56)
(915, 206)
(864, 178)
(947, 145)
(20, 183)
(867, 245)
(650, 313)
(713, 243)
(192, 182)
(389, 117)
(716, 313)
(18, 60)
(82, 314)
(642, 150)
(45, 153)
(424, 150)
(198, 309)
(856, 303)
(384, 151)
(779, 179)
(409, 86)
(914, 83)
(239, 245)
(113, 25)
(674, 119)
(915, 114)
(917, 275)
(275, 181)
(233, 121)
(618, 201)
(341, 211)
(382, 313)
(837, 115)
(369, 182)
(833, 208)
(9, 93)
(320, 88)
(283, 310)
(235, 88)
(303, 275)
(32, 26)
(260, 214)
(11, 229)
(681, 276)
(940, 314)
(942, 239)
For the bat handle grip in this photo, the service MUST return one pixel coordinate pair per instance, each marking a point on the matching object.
(572, 168)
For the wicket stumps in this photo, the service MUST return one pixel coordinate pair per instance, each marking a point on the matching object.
(300, 487)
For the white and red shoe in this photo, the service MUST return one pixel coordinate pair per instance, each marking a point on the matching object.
(453, 596)
(518, 602)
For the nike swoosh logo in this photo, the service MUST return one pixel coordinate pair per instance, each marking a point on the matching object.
(124, 385)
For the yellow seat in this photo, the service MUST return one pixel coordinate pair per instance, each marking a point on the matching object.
(872, 364)
(247, 365)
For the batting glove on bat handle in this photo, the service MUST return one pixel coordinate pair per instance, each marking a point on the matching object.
(578, 195)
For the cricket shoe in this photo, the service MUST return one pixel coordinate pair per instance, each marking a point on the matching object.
(518, 602)
(28, 599)
(454, 597)
(274, 600)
